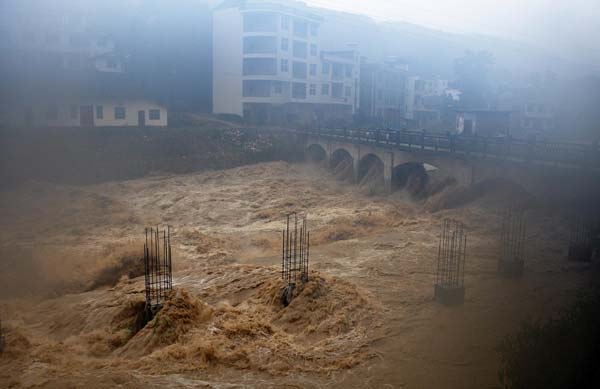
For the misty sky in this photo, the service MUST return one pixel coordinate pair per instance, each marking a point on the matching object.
(567, 25)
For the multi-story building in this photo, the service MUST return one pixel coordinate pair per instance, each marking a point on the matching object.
(382, 89)
(52, 40)
(427, 102)
(58, 70)
(268, 65)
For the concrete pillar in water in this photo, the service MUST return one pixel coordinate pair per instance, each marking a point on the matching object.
(388, 168)
(356, 162)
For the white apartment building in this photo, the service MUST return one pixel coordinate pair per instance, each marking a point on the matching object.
(268, 65)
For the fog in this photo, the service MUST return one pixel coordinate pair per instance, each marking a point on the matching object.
(307, 194)
(567, 27)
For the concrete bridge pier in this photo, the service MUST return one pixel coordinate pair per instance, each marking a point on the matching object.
(388, 169)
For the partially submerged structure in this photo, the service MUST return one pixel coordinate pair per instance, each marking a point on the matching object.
(581, 241)
(157, 268)
(295, 253)
(450, 275)
(512, 259)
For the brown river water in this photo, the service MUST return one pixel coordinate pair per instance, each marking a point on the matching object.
(69, 296)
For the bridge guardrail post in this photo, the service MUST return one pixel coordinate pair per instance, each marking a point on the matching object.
(423, 140)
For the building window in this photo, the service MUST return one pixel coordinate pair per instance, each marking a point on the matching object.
(260, 45)
(256, 88)
(348, 71)
(337, 90)
(259, 67)
(325, 89)
(298, 90)
(154, 114)
(285, 43)
(285, 65)
(313, 49)
(313, 69)
(312, 90)
(73, 111)
(102, 42)
(314, 29)
(299, 70)
(299, 49)
(326, 67)
(300, 28)
(348, 91)
(260, 22)
(285, 23)
(277, 87)
(337, 71)
(99, 112)
(119, 112)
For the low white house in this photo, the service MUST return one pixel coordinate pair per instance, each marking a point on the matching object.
(101, 112)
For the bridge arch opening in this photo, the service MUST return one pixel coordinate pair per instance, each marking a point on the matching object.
(315, 153)
(370, 173)
(410, 176)
(342, 165)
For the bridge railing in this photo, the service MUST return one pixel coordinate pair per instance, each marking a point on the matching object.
(496, 147)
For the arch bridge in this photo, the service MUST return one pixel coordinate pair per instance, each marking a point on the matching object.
(408, 159)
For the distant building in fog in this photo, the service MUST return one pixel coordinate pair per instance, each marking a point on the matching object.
(427, 102)
(51, 40)
(268, 66)
(534, 112)
(59, 71)
(483, 122)
(382, 92)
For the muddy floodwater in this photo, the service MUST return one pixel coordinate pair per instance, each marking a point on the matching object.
(71, 289)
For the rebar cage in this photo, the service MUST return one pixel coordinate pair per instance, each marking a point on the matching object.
(157, 266)
(295, 250)
(580, 240)
(452, 252)
(514, 227)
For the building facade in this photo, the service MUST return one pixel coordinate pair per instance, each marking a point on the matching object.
(268, 66)
(382, 93)
(428, 103)
(57, 70)
(483, 122)
(90, 112)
